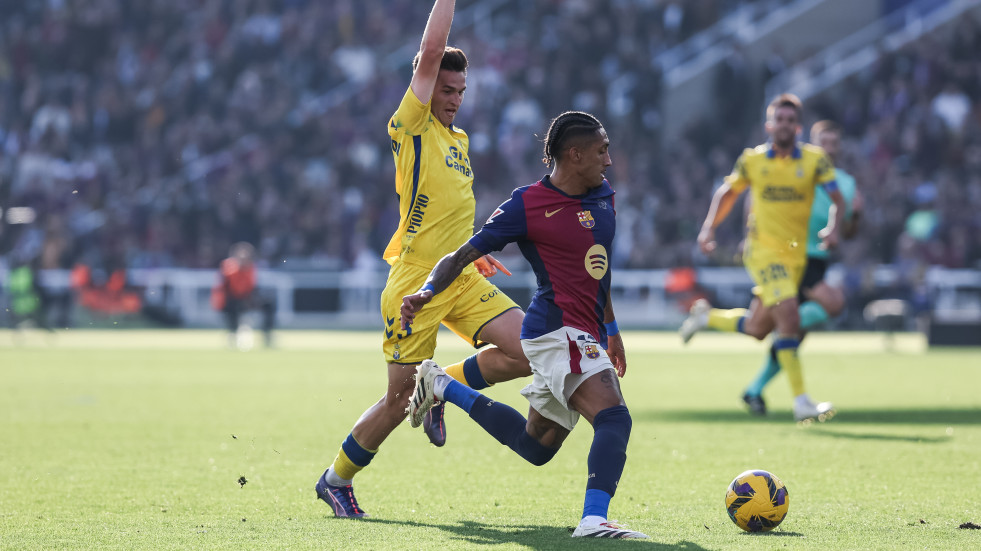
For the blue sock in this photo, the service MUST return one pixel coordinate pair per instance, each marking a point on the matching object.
(741, 325)
(508, 426)
(811, 315)
(460, 394)
(597, 503)
(472, 373)
(607, 455)
(769, 371)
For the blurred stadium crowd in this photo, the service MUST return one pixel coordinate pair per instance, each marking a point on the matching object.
(157, 133)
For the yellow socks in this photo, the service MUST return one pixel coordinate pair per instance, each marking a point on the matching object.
(786, 348)
(468, 373)
(727, 320)
(351, 458)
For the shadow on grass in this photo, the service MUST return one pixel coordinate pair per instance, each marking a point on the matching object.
(952, 416)
(829, 432)
(773, 534)
(533, 536)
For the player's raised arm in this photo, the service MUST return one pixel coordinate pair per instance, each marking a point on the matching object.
(431, 49)
(446, 270)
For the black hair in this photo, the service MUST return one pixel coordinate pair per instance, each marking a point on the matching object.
(565, 127)
(453, 60)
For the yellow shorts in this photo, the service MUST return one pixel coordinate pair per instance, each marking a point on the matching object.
(465, 307)
(777, 277)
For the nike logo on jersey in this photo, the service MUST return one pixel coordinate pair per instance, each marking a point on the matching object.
(550, 214)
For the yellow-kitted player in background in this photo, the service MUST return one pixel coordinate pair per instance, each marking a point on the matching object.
(782, 176)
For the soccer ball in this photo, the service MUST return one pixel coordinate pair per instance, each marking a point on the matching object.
(757, 501)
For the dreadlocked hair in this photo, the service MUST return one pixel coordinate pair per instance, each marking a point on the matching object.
(564, 128)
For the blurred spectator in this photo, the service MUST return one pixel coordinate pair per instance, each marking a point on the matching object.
(162, 132)
(236, 294)
(952, 106)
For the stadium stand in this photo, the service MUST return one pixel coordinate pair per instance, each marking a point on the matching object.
(155, 134)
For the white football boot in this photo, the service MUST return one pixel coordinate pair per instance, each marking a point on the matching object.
(698, 318)
(606, 529)
(805, 412)
(424, 396)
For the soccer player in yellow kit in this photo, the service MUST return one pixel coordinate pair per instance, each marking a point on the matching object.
(782, 176)
(433, 179)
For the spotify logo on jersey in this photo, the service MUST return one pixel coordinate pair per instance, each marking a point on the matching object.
(597, 261)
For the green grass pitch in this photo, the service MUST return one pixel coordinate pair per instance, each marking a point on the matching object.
(138, 440)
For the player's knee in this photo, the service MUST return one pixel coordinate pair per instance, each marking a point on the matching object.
(788, 318)
(397, 400)
(615, 419)
(535, 452)
(835, 303)
(755, 330)
(792, 322)
(518, 366)
(506, 367)
(396, 409)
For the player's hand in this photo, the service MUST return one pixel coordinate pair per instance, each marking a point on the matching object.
(706, 240)
(487, 265)
(614, 349)
(411, 304)
(829, 239)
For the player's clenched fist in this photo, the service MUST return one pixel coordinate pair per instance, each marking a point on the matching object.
(412, 304)
(706, 240)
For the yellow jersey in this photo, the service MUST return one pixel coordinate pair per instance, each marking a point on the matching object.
(434, 182)
(782, 193)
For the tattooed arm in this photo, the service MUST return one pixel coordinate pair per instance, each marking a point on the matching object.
(446, 270)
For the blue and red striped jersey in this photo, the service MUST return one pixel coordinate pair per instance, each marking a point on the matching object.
(567, 240)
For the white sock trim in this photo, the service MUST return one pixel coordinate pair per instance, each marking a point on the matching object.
(592, 520)
(439, 385)
(334, 480)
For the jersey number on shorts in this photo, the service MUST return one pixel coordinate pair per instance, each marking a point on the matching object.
(773, 272)
(390, 330)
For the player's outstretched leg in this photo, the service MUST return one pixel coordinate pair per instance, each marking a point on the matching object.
(696, 321)
(499, 420)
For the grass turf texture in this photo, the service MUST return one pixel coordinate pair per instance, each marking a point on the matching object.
(138, 440)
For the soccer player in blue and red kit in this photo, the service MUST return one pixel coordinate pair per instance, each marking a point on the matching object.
(564, 225)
